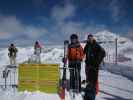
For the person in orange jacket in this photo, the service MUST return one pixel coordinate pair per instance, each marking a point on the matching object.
(75, 57)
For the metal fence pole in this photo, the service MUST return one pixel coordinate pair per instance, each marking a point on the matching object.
(116, 50)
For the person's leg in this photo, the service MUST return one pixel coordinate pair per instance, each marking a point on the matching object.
(94, 79)
(39, 58)
(72, 83)
(94, 74)
(10, 60)
(79, 80)
(71, 70)
(14, 60)
(94, 94)
(79, 77)
(36, 60)
(90, 93)
(87, 72)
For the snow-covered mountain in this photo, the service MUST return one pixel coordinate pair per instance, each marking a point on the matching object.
(125, 50)
(54, 54)
(125, 47)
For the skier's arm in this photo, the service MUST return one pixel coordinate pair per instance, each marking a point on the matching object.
(16, 49)
(81, 52)
(9, 49)
(99, 54)
(85, 49)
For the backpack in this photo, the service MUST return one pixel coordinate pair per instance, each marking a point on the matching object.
(102, 54)
(75, 53)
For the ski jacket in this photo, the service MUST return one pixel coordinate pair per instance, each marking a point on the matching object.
(94, 53)
(75, 52)
(12, 51)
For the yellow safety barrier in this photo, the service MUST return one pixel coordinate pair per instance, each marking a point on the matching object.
(39, 77)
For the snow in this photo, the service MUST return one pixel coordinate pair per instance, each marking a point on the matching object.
(112, 87)
(116, 81)
(124, 70)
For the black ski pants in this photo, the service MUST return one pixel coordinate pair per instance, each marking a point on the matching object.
(75, 77)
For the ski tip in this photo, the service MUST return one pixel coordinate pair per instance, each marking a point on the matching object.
(66, 42)
(62, 93)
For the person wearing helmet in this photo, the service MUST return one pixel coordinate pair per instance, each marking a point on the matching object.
(94, 56)
(75, 56)
(12, 54)
(37, 51)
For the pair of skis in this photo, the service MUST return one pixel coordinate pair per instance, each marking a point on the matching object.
(64, 81)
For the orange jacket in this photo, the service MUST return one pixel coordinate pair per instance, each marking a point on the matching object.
(75, 53)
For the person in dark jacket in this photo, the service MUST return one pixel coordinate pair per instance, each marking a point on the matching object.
(12, 53)
(94, 56)
(75, 56)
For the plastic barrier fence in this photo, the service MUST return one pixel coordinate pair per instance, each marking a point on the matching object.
(39, 77)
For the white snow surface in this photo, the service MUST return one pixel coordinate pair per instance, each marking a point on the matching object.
(112, 87)
(116, 81)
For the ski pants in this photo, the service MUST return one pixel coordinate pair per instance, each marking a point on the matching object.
(38, 58)
(91, 74)
(75, 77)
(12, 60)
(90, 93)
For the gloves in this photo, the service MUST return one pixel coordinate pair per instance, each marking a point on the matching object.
(64, 60)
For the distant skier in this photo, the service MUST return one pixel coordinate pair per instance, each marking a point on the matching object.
(37, 51)
(12, 54)
(94, 56)
(75, 56)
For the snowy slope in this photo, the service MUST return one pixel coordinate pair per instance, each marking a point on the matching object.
(117, 85)
(112, 87)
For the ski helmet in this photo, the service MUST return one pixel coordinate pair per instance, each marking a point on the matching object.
(73, 36)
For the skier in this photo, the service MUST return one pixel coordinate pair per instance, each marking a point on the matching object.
(75, 56)
(94, 56)
(12, 54)
(37, 51)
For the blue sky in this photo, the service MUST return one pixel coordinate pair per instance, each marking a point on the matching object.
(52, 21)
